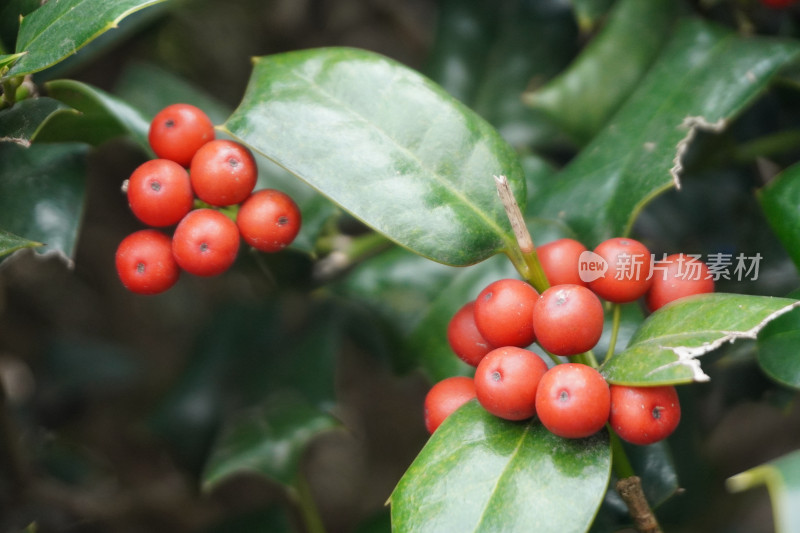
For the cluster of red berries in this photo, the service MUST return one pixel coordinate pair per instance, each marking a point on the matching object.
(572, 400)
(205, 188)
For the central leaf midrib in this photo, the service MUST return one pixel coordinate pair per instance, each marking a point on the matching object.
(439, 178)
(508, 464)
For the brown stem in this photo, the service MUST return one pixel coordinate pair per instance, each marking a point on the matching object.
(630, 489)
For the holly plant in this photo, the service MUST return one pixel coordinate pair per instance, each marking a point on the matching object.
(568, 223)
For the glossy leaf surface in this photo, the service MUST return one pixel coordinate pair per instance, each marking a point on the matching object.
(782, 479)
(779, 201)
(616, 59)
(704, 71)
(778, 349)
(483, 474)
(59, 29)
(268, 441)
(22, 122)
(42, 193)
(666, 348)
(100, 116)
(387, 145)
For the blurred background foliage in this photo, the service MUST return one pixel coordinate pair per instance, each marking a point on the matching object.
(128, 404)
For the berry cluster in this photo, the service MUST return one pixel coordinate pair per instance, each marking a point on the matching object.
(572, 399)
(205, 188)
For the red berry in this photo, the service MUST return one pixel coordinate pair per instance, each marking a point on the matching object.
(676, 276)
(503, 313)
(223, 172)
(464, 337)
(568, 319)
(573, 400)
(559, 261)
(159, 192)
(506, 381)
(269, 220)
(445, 397)
(145, 264)
(644, 415)
(178, 131)
(628, 274)
(205, 243)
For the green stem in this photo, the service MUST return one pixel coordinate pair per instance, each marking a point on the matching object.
(620, 462)
(308, 508)
(615, 323)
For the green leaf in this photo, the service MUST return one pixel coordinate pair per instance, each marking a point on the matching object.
(589, 12)
(59, 29)
(779, 201)
(10, 243)
(483, 474)
(386, 144)
(22, 122)
(615, 60)
(42, 193)
(100, 116)
(777, 349)
(782, 478)
(704, 77)
(268, 440)
(666, 348)
(6, 60)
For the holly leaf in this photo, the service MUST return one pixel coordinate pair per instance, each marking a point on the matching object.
(666, 348)
(22, 122)
(386, 144)
(481, 473)
(782, 479)
(42, 193)
(98, 116)
(615, 59)
(10, 243)
(58, 30)
(703, 78)
(777, 349)
(268, 440)
(779, 202)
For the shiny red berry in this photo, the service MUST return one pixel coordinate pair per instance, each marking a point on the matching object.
(559, 260)
(223, 172)
(628, 276)
(573, 400)
(506, 382)
(568, 319)
(503, 313)
(677, 276)
(644, 415)
(269, 220)
(205, 242)
(145, 264)
(178, 131)
(159, 192)
(464, 338)
(445, 397)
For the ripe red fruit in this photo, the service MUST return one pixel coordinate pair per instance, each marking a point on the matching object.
(559, 261)
(145, 264)
(506, 381)
(159, 192)
(445, 397)
(628, 274)
(644, 415)
(573, 400)
(464, 338)
(568, 319)
(503, 313)
(269, 220)
(223, 172)
(205, 243)
(178, 131)
(677, 276)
